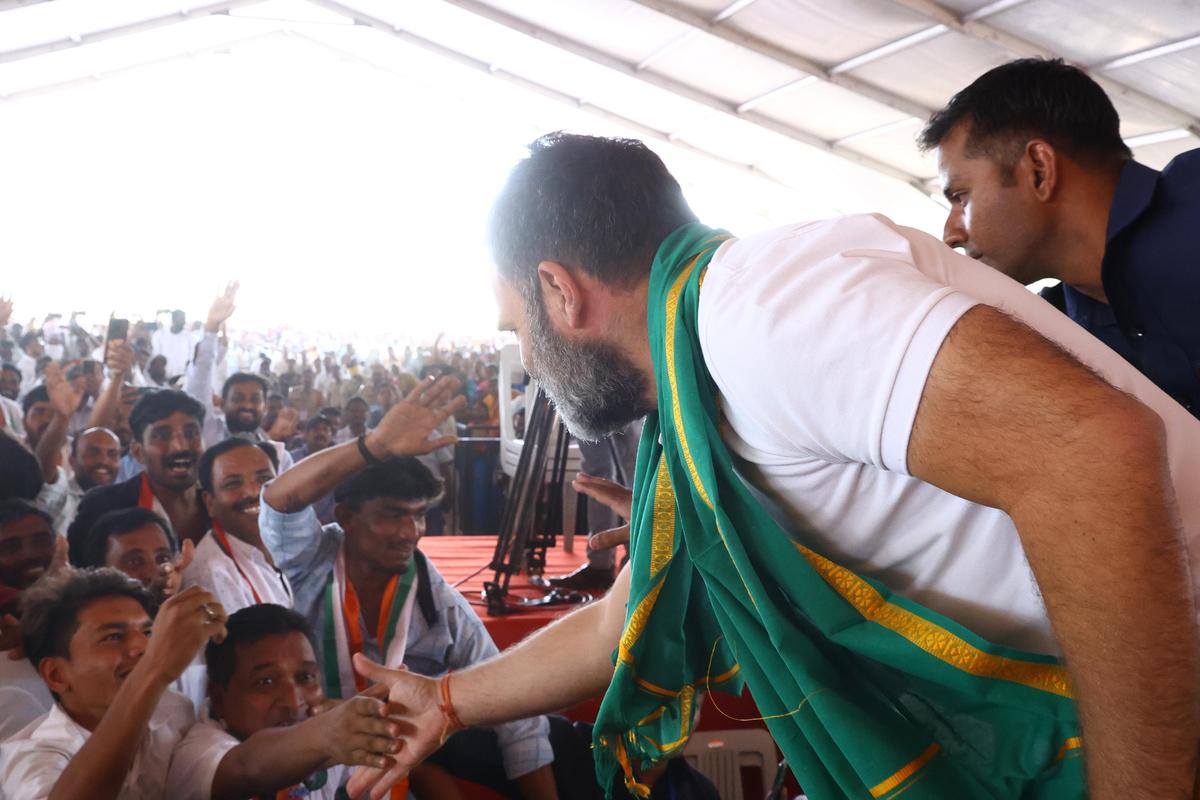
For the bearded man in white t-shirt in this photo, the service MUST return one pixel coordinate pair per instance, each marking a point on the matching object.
(926, 428)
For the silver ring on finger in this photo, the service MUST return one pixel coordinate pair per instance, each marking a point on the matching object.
(212, 615)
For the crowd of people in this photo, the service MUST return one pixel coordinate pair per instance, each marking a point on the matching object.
(944, 531)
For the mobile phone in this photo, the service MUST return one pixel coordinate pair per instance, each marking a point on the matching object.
(118, 331)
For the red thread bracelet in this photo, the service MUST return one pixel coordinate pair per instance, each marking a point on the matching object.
(447, 705)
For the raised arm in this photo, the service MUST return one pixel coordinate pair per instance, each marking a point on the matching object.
(564, 663)
(1009, 420)
(108, 404)
(198, 383)
(98, 770)
(65, 400)
(403, 431)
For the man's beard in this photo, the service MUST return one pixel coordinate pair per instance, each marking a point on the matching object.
(595, 387)
(239, 424)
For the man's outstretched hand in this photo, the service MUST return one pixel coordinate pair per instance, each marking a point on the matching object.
(616, 497)
(413, 706)
(405, 429)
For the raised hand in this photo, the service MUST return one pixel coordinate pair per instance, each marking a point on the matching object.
(605, 492)
(221, 308)
(413, 704)
(616, 497)
(405, 429)
(359, 733)
(286, 423)
(119, 360)
(65, 398)
(184, 624)
(6, 307)
(170, 575)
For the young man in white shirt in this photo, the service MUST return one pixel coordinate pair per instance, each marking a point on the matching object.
(174, 344)
(115, 723)
(231, 560)
(268, 727)
(899, 424)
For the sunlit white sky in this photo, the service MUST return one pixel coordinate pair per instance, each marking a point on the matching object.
(343, 196)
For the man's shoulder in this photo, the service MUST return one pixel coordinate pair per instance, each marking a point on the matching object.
(115, 495)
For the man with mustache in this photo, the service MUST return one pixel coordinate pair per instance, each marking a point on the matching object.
(876, 482)
(266, 727)
(115, 722)
(166, 427)
(243, 395)
(231, 560)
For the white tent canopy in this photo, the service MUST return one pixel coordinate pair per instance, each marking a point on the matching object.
(813, 103)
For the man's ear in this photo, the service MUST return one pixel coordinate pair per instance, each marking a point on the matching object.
(1043, 166)
(53, 671)
(562, 294)
(135, 450)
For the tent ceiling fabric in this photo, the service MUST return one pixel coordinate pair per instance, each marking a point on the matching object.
(756, 82)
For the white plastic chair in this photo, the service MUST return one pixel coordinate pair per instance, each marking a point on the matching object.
(720, 756)
(511, 372)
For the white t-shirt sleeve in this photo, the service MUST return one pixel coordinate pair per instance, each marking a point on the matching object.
(822, 336)
(195, 761)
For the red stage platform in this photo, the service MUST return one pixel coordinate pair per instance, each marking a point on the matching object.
(457, 557)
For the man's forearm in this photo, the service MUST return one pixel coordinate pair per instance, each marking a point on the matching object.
(198, 383)
(104, 412)
(270, 760)
(314, 477)
(49, 448)
(564, 663)
(98, 770)
(1121, 600)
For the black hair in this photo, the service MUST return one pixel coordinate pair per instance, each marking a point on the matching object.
(91, 549)
(20, 472)
(50, 608)
(29, 338)
(313, 422)
(158, 405)
(247, 626)
(597, 204)
(357, 399)
(244, 377)
(403, 478)
(327, 410)
(38, 394)
(6, 367)
(224, 446)
(13, 509)
(1032, 97)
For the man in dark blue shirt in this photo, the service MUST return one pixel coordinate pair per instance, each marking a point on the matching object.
(1041, 185)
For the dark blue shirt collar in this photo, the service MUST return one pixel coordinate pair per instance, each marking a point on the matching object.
(1135, 190)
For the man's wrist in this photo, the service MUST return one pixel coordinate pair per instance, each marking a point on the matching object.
(377, 449)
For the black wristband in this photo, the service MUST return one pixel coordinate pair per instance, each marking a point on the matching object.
(367, 455)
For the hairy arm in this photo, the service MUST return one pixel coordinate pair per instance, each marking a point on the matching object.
(403, 431)
(562, 664)
(1009, 420)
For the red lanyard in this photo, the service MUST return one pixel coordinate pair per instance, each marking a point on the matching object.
(145, 495)
(219, 532)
